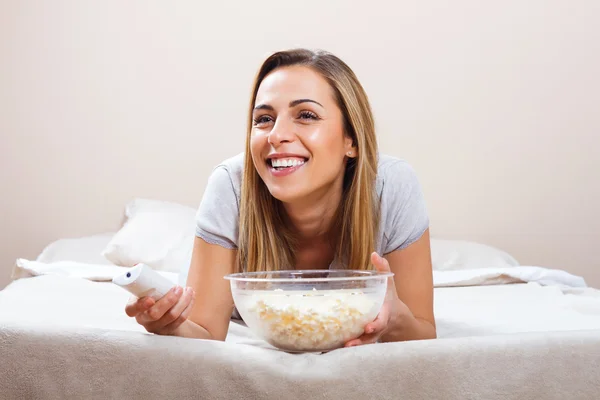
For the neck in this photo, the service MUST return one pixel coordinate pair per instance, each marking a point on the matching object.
(313, 217)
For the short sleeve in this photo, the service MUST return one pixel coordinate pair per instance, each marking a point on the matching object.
(403, 208)
(217, 218)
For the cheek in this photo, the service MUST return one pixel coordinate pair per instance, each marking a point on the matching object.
(325, 143)
(328, 156)
(257, 143)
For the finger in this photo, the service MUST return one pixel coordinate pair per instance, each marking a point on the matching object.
(363, 339)
(379, 323)
(137, 306)
(163, 305)
(174, 312)
(182, 318)
(188, 310)
(373, 330)
(380, 263)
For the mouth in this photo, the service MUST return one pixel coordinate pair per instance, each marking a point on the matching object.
(281, 166)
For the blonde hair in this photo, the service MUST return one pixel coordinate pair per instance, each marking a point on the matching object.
(266, 241)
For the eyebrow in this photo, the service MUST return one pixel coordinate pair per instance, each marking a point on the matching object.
(300, 101)
(293, 103)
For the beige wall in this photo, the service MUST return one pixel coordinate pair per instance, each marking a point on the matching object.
(496, 104)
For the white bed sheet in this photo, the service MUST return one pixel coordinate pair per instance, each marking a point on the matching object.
(66, 337)
(69, 338)
(515, 333)
(460, 311)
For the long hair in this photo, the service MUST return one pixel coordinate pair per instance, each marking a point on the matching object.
(266, 242)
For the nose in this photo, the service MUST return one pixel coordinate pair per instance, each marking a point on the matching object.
(282, 132)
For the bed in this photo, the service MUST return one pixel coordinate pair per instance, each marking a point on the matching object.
(506, 331)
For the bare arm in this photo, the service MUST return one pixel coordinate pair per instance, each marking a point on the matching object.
(211, 313)
(203, 309)
(413, 278)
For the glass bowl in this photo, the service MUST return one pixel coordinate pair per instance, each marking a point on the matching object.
(308, 310)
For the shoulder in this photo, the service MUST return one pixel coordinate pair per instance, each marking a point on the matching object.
(233, 164)
(394, 172)
(217, 215)
(228, 174)
(403, 211)
(223, 189)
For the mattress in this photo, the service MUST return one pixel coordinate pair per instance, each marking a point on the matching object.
(64, 335)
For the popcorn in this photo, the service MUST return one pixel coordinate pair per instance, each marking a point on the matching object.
(309, 320)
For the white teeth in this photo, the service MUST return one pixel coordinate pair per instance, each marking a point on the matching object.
(286, 162)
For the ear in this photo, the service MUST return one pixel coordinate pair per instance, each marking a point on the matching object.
(349, 148)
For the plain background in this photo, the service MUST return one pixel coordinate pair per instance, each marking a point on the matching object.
(496, 105)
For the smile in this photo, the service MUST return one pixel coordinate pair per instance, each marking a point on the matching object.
(285, 166)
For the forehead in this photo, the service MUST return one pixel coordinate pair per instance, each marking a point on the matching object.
(292, 83)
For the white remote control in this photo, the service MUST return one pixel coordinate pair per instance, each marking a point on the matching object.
(141, 281)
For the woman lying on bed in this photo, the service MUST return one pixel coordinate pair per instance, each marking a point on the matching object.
(312, 192)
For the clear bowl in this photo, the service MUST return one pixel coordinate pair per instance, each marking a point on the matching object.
(308, 310)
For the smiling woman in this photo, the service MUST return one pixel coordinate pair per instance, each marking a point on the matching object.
(311, 191)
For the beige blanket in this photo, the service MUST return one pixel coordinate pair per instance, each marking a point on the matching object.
(67, 338)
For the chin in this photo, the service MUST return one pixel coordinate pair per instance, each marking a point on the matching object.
(285, 195)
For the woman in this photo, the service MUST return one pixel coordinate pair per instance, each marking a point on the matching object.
(310, 192)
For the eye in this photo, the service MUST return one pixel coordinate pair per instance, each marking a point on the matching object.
(308, 115)
(262, 120)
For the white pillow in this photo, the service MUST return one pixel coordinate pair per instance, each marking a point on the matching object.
(87, 249)
(453, 255)
(157, 233)
(161, 235)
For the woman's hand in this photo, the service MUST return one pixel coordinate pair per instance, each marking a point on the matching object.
(164, 316)
(392, 312)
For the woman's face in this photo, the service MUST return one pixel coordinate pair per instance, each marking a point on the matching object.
(297, 142)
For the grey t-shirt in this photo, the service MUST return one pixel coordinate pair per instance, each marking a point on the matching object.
(404, 216)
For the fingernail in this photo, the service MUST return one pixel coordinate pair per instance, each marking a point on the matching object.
(370, 329)
(178, 289)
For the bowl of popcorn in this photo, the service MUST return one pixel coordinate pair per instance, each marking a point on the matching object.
(308, 310)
